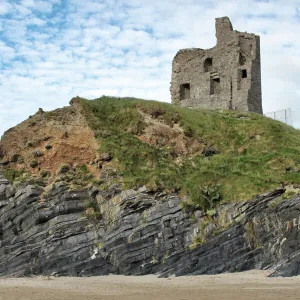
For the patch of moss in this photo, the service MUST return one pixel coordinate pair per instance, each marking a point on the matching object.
(251, 235)
(13, 175)
(197, 241)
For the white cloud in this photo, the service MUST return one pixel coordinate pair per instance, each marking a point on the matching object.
(53, 50)
(43, 6)
(5, 7)
(7, 53)
(22, 10)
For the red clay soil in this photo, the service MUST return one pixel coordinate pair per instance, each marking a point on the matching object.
(63, 131)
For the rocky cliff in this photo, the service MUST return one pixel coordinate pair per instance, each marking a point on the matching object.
(128, 186)
(94, 232)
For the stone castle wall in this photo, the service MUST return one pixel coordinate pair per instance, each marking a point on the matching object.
(225, 76)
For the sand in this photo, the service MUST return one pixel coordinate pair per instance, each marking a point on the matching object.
(252, 285)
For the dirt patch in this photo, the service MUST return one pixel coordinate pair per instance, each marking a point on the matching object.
(159, 134)
(47, 140)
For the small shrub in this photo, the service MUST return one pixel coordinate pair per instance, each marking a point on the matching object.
(45, 173)
(206, 197)
(48, 147)
(197, 241)
(64, 168)
(29, 144)
(92, 214)
(34, 163)
(166, 255)
(15, 158)
(209, 151)
(290, 193)
(211, 212)
(83, 168)
(189, 132)
(89, 203)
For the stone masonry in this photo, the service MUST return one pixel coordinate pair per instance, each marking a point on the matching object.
(226, 76)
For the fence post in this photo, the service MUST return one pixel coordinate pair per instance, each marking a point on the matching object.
(285, 117)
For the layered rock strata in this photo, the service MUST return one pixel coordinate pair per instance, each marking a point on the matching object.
(93, 232)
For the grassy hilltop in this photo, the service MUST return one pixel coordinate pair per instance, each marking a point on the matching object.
(227, 154)
(210, 156)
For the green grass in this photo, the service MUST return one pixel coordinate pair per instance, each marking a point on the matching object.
(11, 175)
(272, 154)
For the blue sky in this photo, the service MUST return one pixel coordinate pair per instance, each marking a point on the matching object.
(53, 50)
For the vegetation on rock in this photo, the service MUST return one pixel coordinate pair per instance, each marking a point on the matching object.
(270, 156)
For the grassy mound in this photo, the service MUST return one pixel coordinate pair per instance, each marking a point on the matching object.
(243, 154)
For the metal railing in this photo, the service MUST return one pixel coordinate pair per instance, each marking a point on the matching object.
(285, 116)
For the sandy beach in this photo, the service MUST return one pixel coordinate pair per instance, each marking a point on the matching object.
(243, 286)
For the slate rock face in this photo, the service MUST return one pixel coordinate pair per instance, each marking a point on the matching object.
(93, 232)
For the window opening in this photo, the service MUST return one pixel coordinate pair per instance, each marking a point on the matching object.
(215, 86)
(184, 91)
(244, 73)
(208, 64)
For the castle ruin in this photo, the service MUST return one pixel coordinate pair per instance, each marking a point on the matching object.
(226, 76)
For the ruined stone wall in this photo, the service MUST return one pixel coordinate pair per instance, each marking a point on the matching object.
(225, 76)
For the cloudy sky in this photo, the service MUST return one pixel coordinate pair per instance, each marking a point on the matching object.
(53, 50)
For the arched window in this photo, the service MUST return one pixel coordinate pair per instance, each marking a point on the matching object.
(208, 64)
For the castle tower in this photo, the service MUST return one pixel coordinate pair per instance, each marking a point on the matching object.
(226, 76)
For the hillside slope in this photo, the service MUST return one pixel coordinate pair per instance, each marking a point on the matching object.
(127, 186)
(208, 155)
